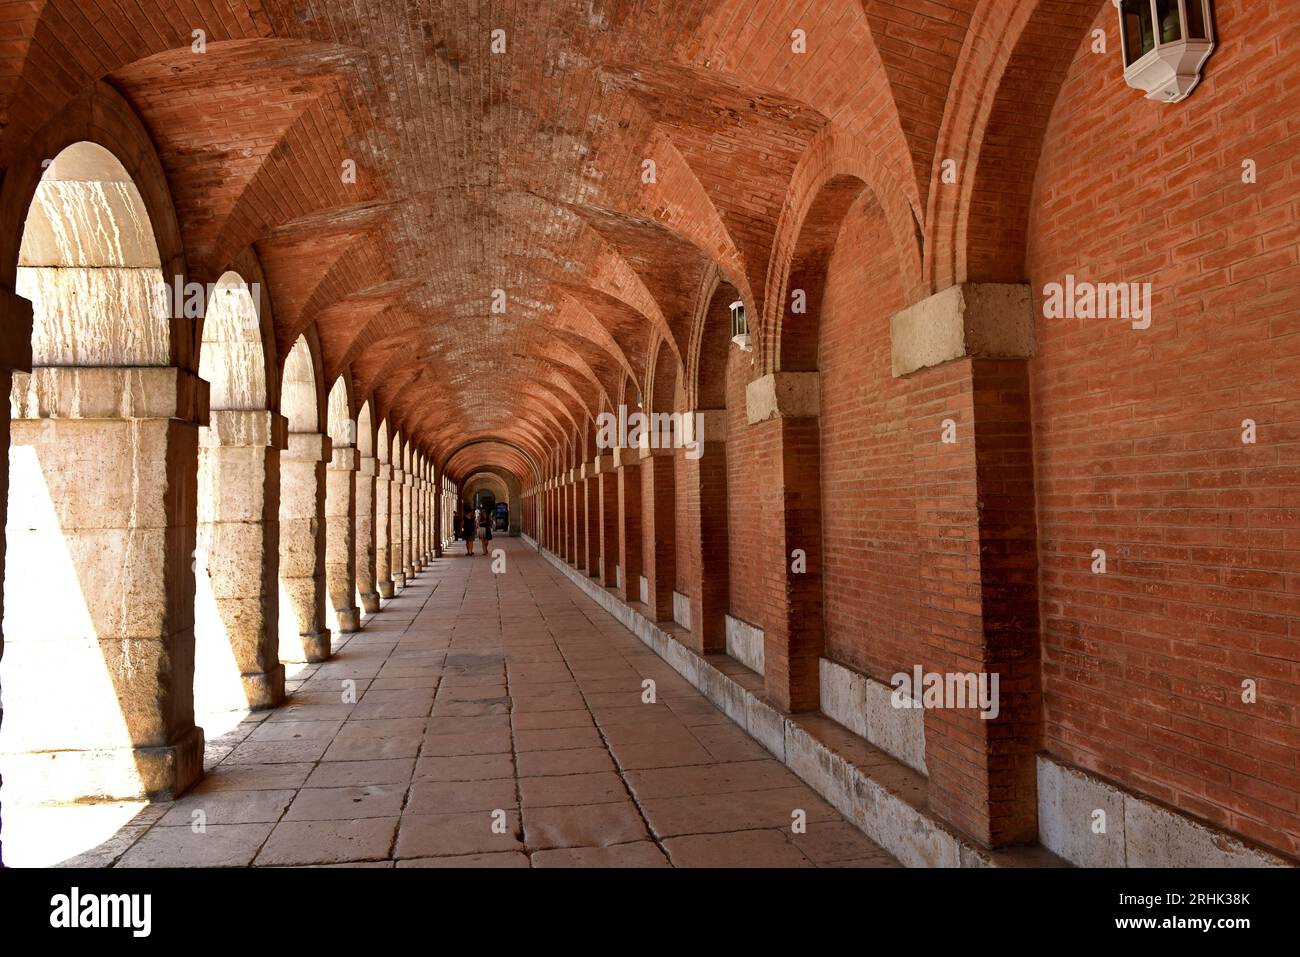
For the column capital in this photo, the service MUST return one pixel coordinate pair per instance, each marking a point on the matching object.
(383, 470)
(345, 458)
(971, 320)
(602, 463)
(782, 395)
(113, 392)
(625, 457)
(368, 465)
(307, 447)
(245, 428)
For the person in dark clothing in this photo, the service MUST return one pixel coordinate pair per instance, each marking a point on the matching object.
(467, 529)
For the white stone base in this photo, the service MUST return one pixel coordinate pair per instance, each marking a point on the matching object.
(644, 591)
(745, 643)
(1138, 832)
(682, 610)
(863, 705)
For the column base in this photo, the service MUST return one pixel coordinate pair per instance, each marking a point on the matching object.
(265, 689)
(349, 619)
(109, 774)
(315, 646)
(399, 581)
(370, 602)
(385, 589)
(410, 571)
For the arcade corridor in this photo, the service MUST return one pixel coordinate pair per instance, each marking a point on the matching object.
(876, 424)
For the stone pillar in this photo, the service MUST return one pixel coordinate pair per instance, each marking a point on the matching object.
(628, 468)
(383, 538)
(659, 529)
(412, 522)
(396, 511)
(705, 497)
(441, 526)
(340, 536)
(303, 633)
(782, 412)
(367, 592)
(99, 578)
(976, 524)
(237, 562)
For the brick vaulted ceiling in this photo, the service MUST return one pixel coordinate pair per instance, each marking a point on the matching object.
(478, 171)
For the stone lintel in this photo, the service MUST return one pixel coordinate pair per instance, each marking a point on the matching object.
(972, 320)
(111, 392)
(782, 395)
(602, 463)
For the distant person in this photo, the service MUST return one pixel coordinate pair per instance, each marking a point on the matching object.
(467, 529)
(483, 522)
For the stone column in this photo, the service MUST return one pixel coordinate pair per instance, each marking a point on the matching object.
(782, 414)
(708, 544)
(396, 511)
(99, 578)
(659, 529)
(303, 633)
(340, 536)
(441, 527)
(408, 525)
(383, 539)
(236, 616)
(367, 592)
(976, 525)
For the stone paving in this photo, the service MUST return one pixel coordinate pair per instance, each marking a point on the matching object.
(488, 720)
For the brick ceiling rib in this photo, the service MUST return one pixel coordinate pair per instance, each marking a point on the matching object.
(477, 172)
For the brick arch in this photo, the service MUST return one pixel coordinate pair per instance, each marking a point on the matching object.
(1010, 72)
(458, 459)
(664, 380)
(832, 174)
(705, 382)
(302, 391)
(100, 116)
(233, 359)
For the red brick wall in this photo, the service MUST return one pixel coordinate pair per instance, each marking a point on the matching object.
(868, 497)
(1137, 433)
(742, 501)
(685, 558)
